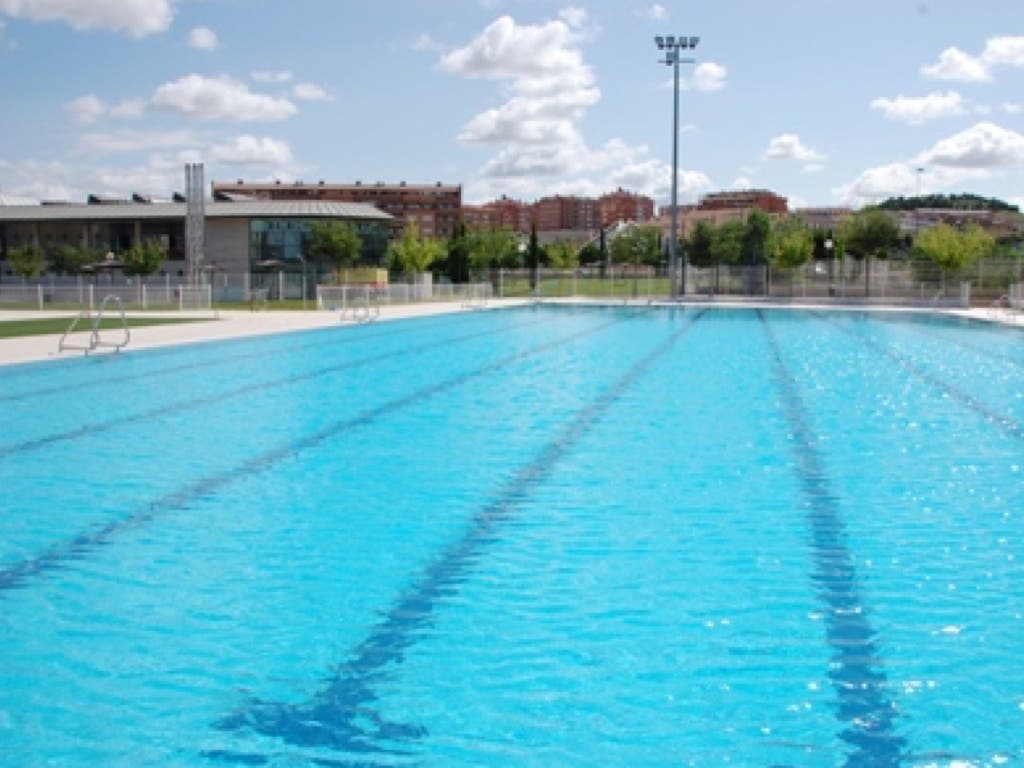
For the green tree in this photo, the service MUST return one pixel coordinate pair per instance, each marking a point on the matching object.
(335, 242)
(492, 249)
(727, 242)
(533, 256)
(143, 258)
(564, 254)
(637, 245)
(414, 253)
(71, 259)
(870, 232)
(755, 237)
(699, 244)
(590, 254)
(27, 261)
(790, 243)
(952, 249)
(457, 262)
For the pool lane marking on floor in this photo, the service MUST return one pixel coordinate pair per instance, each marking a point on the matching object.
(87, 430)
(939, 336)
(319, 343)
(1006, 423)
(341, 716)
(864, 709)
(15, 574)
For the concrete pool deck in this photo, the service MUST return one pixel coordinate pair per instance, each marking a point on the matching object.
(234, 324)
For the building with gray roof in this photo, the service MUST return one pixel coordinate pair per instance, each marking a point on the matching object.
(240, 235)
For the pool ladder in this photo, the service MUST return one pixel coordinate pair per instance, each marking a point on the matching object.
(95, 340)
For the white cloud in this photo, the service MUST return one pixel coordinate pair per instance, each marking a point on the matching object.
(919, 109)
(741, 182)
(903, 179)
(707, 77)
(954, 64)
(551, 88)
(203, 38)
(251, 150)
(983, 146)
(426, 43)
(268, 76)
(575, 17)
(128, 108)
(813, 168)
(657, 12)
(119, 142)
(309, 92)
(980, 152)
(219, 98)
(1013, 107)
(137, 18)
(535, 128)
(788, 146)
(1004, 52)
(85, 109)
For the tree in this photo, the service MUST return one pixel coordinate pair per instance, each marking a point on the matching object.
(564, 254)
(951, 249)
(755, 237)
(71, 259)
(492, 249)
(414, 253)
(727, 242)
(699, 245)
(457, 263)
(335, 242)
(533, 256)
(27, 261)
(590, 254)
(790, 243)
(143, 258)
(870, 232)
(637, 245)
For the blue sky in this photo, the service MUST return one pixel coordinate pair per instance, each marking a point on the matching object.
(828, 103)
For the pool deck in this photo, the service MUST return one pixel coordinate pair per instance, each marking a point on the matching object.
(233, 324)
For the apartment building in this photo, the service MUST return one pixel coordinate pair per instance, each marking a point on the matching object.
(622, 205)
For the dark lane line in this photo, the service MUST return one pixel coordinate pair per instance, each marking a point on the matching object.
(341, 716)
(864, 709)
(217, 362)
(86, 430)
(999, 357)
(19, 572)
(1007, 424)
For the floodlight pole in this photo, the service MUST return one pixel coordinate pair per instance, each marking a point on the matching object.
(671, 45)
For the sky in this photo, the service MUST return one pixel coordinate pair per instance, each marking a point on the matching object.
(825, 102)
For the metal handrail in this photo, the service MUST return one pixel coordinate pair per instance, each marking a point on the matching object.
(95, 340)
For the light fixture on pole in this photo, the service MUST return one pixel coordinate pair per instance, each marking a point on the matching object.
(672, 45)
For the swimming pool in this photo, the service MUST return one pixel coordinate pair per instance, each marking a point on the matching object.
(545, 536)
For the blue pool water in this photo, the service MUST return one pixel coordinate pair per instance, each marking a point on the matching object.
(545, 536)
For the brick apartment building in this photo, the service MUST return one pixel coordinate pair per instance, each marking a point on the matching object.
(769, 202)
(621, 205)
(561, 213)
(435, 208)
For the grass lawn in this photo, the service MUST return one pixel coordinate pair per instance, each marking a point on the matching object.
(10, 329)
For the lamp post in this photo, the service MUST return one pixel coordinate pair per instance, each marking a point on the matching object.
(672, 45)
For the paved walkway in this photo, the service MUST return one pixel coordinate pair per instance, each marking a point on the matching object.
(230, 324)
(234, 324)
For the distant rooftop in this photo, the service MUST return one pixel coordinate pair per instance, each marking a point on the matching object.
(248, 209)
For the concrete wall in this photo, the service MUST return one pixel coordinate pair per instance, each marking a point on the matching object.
(227, 244)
